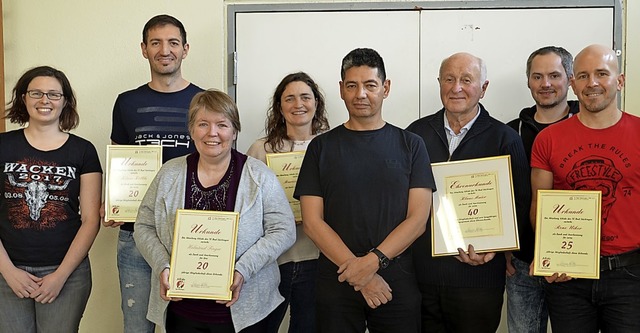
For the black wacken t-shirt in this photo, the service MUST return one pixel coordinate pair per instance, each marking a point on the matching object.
(39, 206)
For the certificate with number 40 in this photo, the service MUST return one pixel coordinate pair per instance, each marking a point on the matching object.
(474, 205)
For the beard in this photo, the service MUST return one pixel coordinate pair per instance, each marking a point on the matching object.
(551, 104)
(595, 106)
(548, 105)
(599, 105)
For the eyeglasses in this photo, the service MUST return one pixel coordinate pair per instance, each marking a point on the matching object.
(37, 94)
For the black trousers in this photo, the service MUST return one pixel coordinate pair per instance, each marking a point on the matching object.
(341, 309)
(461, 310)
(179, 324)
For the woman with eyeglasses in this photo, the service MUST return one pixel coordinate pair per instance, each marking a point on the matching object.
(48, 176)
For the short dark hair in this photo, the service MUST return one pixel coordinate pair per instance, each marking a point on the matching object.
(161, 21)
(276, 126)
(363, 57)
(16, 110)
(565, 57)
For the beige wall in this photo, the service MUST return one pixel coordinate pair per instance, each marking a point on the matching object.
(96, 43)
(632, 54)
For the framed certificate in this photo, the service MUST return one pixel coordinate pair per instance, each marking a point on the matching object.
(568, 233)
(203, 254)
(474, 205)
(286, 166)
(130, 171)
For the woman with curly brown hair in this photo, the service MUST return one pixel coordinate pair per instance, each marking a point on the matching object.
(297, 114)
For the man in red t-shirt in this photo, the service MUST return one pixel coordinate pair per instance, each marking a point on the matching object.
(596, 150)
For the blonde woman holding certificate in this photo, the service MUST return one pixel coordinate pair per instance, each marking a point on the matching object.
(297, 114)
(217, 178)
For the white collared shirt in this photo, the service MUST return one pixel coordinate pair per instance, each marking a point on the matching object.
(453, 138)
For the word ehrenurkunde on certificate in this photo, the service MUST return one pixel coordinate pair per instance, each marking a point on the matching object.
(203, 254)
(568, 233)
(474, 205)
(286, 166)
(130, 171)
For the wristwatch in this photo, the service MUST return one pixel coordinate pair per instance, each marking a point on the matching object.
(383, 261)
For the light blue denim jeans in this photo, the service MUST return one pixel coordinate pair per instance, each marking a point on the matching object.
(135, 285)
(526, 308)
(25, 315)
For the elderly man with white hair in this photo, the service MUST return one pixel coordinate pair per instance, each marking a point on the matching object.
(465, 293)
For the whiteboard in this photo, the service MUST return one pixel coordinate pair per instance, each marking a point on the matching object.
(275, 40)
(504, 39)
(272, 45)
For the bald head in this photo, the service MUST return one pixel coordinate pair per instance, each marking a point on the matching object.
(596, 54)
(470, 61)
(597, 79)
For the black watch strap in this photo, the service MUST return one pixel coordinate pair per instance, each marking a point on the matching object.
(383, 260)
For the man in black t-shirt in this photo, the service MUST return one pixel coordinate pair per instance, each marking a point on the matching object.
(365, 192)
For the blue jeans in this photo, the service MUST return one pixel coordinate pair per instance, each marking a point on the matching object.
(25, 315)
(135, 285)
(610, 304)
(298, 287)
(526, 308)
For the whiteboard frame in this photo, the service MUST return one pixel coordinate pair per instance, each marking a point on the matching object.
(239, 21)
(234, 9)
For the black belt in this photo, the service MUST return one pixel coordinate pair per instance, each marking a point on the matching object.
(609, 263)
